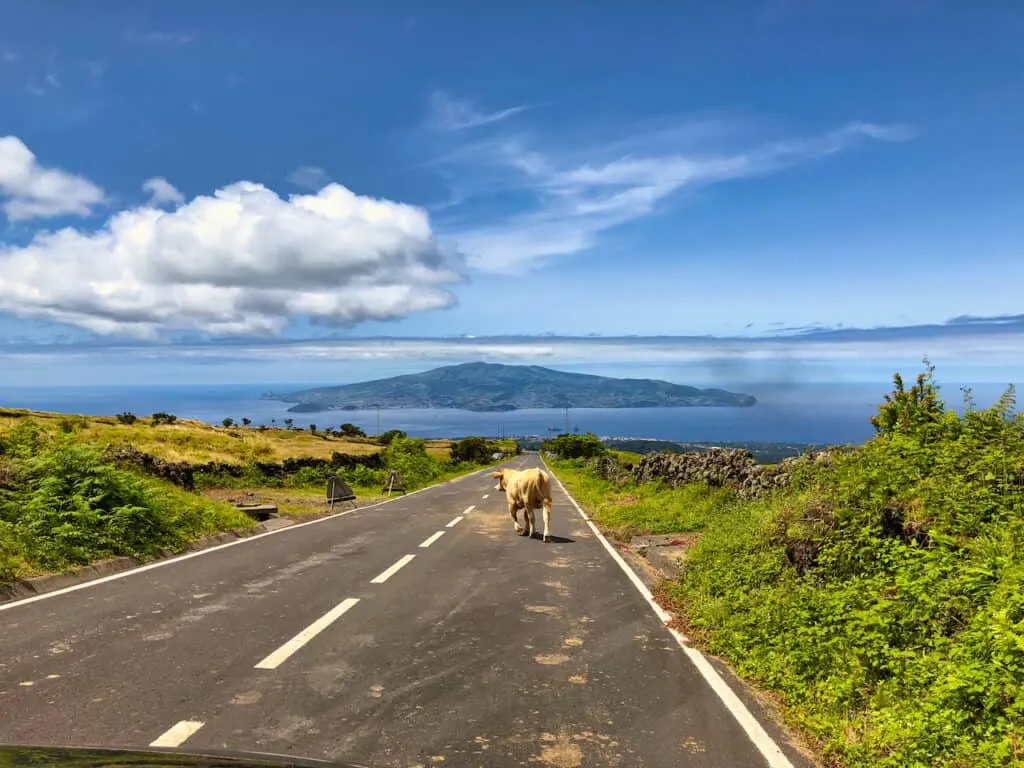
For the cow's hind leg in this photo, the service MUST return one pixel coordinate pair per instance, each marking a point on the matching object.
(530, 521)
(547, 520)
(515, 517)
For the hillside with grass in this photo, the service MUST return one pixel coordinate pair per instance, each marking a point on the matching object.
(79, 489)
(496, 387)
(876, 594)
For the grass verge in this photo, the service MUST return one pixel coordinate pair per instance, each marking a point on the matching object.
(880, 599)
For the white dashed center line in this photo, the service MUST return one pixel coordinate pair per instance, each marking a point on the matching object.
(402, 562)
(431, 539)
(177, 734)
(275, 659)
(455, 521)
(486, 495)
(469, 509)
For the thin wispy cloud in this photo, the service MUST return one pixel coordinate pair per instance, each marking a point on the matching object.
(450, 114)
(309, 177)
(572, 196)
(161, 37)
(162, 192)
(878, 346)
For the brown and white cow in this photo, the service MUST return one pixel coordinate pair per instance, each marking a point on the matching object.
(526, 489)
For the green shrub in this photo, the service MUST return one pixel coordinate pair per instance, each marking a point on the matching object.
(881, 597)
(409, 456)
(364, 477)
(899, 641)
(66, 506)
(384, 438)
(10, 552)
(576, 446)
(473, 450)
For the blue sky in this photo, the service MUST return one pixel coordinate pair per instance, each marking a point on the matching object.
(219, 192)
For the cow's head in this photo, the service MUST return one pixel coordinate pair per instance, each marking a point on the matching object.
(500, 476)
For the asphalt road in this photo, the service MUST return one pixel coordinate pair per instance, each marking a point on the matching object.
(420, 632)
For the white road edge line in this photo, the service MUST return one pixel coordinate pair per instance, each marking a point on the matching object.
(177, 734)
(755, 732)
(180, 558)
(278, 657)
(431, 539)
(469, 509)
(455, 521)
(402, 562)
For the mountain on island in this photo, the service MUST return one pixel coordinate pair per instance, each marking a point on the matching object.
(497, 387)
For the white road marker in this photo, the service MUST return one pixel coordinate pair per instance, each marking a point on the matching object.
(469, 509)
(771, 751)
(177, 734)
(402, 562)
(431, 539)
(455, 521)
(275, 659)
(486, 495)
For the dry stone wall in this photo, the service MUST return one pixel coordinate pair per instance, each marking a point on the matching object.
(720, 467)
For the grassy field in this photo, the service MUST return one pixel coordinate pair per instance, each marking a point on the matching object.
(880, 599)
(63, 504)
(196, 443)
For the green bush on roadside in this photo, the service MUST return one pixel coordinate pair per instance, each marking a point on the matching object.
(881, 598)
(62, 505)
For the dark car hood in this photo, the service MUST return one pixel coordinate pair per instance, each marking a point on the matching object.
(95, 757)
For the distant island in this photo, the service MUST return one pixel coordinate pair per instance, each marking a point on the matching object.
(485, 387)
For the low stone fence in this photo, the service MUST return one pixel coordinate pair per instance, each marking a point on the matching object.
(183, 473)
(719, 467)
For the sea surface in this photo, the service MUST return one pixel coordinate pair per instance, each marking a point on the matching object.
(791, 413)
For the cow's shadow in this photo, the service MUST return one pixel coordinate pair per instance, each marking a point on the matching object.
(554, 539)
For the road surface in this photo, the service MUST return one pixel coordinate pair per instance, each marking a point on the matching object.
(419, 632)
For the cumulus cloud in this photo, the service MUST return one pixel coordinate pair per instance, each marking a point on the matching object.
(162, 192)
(448, 114)
(573, 199)
(29, 190)
(241, 261)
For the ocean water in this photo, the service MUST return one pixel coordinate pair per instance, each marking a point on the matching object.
(801, 412)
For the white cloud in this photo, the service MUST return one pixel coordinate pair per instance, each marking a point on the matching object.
(448, 114)
(29, 190)
(575, 198)
(309, 176)
(161, 192)
(241, 261)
